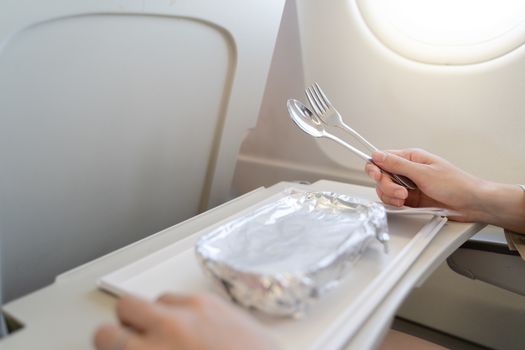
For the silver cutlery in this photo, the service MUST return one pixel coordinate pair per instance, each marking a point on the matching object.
(312, 125)
(327, 113)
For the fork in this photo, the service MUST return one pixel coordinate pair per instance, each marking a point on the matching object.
(331, 117)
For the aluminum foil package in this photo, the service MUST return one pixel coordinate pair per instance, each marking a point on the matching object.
(282, 256)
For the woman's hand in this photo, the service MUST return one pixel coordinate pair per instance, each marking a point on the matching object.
(440, 184)
(183, 323)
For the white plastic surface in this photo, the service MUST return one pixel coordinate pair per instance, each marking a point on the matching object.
(331, 321)
(118, 119)
(55, 309)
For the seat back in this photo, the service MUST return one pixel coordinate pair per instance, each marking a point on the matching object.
(119, 119)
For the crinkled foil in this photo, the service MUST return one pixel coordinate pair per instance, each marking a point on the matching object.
(284, 255)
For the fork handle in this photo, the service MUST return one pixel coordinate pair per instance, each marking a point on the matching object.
(403, 181)
(398, 179)
(347, 145)
(360, 138)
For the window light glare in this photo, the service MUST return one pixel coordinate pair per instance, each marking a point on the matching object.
(447, 31)
(454, 22)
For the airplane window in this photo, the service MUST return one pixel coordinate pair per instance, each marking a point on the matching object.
(447, 31)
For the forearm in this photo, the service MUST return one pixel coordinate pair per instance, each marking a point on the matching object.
(501, 205)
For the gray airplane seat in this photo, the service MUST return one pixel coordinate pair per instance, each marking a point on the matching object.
(119, 119)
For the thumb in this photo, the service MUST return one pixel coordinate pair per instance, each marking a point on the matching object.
(395, 164)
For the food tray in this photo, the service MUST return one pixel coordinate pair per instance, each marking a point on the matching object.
(330, 322)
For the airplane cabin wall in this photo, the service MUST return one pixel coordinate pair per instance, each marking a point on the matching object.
(472, 115)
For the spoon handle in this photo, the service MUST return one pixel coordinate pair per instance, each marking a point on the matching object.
(360, 138)
(398, 179)
(347, 145)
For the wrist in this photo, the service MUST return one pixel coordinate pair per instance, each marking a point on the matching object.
(484, 198)
(501, 205)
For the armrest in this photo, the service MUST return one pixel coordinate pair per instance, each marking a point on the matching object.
(490, 262)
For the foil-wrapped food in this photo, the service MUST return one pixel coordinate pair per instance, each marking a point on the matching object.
(281, 256)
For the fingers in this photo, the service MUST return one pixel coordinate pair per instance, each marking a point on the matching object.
(397, 164)
(416, 155)
(166, 317)
(390, 192)
(373, 171)
(111, 337)
(398, 202)
(194, 301)
(175, 299)
(170, 316)
(137, 313)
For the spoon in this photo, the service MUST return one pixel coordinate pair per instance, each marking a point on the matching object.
(312, 125)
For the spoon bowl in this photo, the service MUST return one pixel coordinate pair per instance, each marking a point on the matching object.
(305, 119)
(312, 125)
